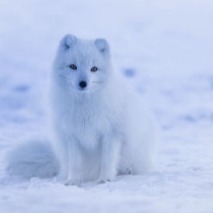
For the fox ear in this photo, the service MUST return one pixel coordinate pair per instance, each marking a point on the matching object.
(102, 46)
(68, 41)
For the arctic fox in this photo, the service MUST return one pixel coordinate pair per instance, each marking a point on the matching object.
(101, 126)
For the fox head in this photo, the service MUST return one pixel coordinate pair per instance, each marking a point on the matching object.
(82, 65)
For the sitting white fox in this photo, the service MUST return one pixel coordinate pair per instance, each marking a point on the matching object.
(100, 124)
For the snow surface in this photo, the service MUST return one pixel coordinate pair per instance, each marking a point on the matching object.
(165, 48)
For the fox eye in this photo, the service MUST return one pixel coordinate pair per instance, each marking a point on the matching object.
(94, 69)
(73, 67)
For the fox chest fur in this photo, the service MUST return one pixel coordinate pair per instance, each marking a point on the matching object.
(85, 121)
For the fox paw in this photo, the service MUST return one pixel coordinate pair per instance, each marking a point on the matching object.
(103, 181)
(71, 182)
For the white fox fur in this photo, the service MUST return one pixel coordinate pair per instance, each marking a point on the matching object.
(32, 159)
(102, 128)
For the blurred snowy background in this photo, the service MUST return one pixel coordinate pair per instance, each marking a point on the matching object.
(165, 47)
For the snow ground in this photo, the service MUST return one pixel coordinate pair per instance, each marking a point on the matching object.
(166, 49)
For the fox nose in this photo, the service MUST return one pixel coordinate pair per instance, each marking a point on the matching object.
(82, 84)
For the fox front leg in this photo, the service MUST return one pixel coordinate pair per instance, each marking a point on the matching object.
(74, 165)
(110, 151)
